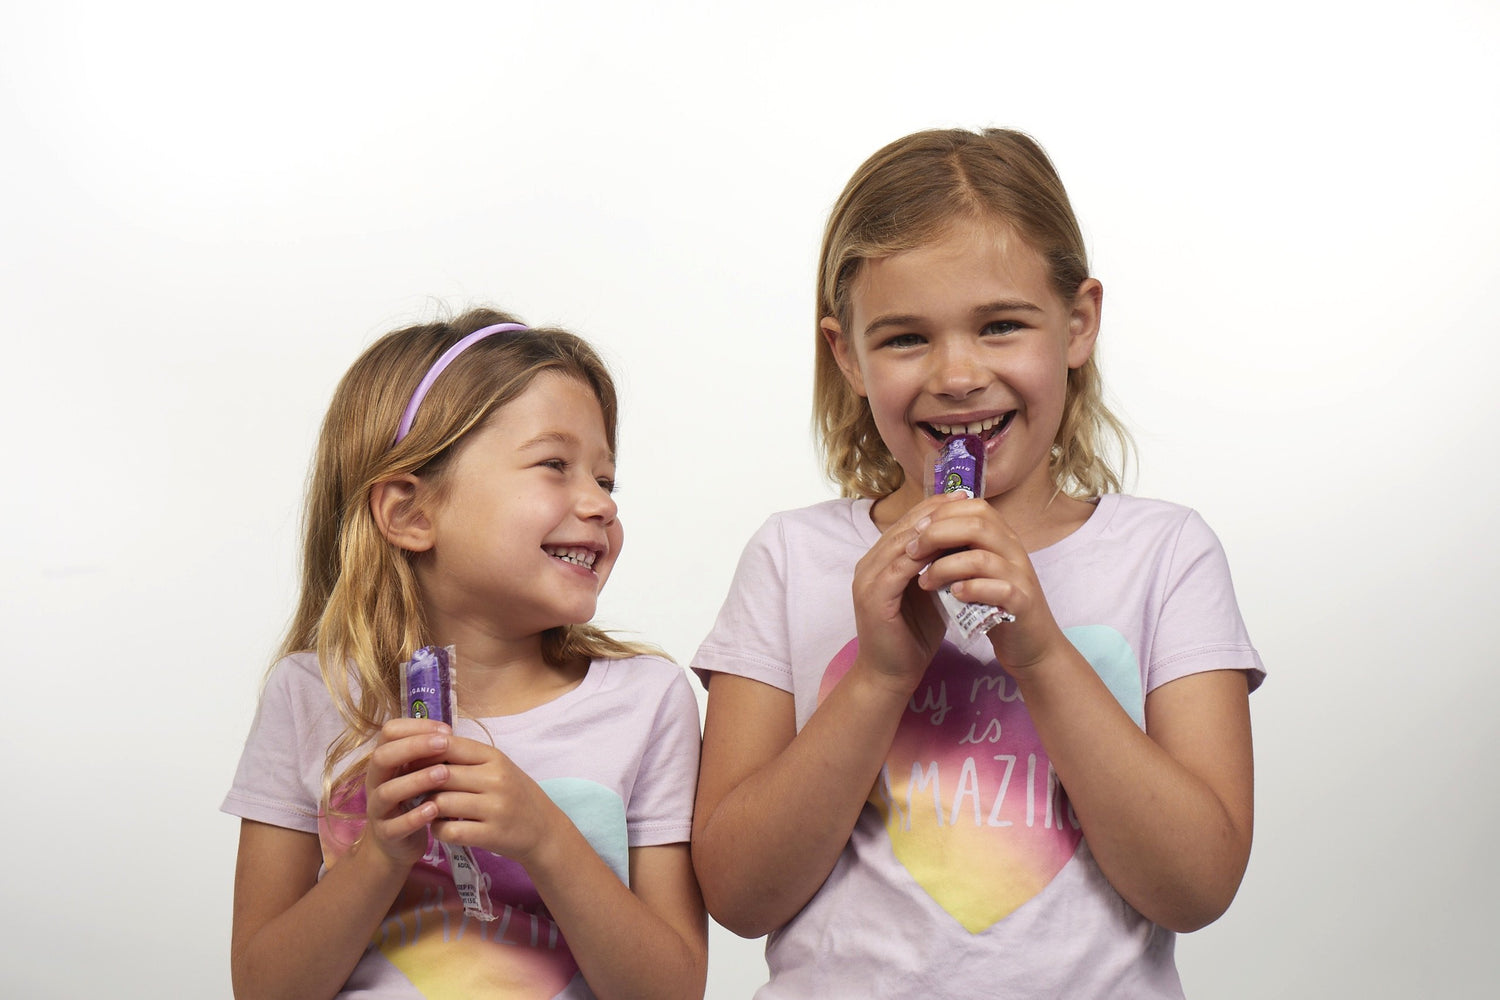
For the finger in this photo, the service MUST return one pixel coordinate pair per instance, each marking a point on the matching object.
(1002, 594)
(487, 806)
(391, 795)
(403, 824)
(969, 527)
(465, 751)
(405, 754)
(956, 565)
(461, 832)
(396, 729)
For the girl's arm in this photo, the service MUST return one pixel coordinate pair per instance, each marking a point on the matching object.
(648, 939)
(297, 936)
(289, 940)
(776, 806)
(1168, 816)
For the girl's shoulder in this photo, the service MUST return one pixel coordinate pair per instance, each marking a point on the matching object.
(296, 668)
(297, 676)
(844, 519)
(646, 678)
(294, 686)
(1122, 514)
(1137, 527)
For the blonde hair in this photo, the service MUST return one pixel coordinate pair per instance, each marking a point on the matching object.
(360, 607)
(906, 196)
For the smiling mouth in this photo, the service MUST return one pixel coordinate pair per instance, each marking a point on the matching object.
(575, 554)
(988, 429)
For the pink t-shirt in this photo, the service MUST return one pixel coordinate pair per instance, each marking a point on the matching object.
(966, 873)
(618, 753)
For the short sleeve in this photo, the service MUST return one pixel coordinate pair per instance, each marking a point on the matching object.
(279, 777)
(661, 800)
(749, 638)
(1199, 627)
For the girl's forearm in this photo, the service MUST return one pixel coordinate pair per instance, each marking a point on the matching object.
(1171, 835)
(771, 841)
(309, 950)
(624, 948)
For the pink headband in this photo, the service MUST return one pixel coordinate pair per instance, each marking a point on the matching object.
(403, 428)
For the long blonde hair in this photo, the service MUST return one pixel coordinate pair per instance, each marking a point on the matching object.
(906, 196)
(360, 607)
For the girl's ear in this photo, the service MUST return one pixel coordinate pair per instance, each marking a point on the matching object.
(393, 504)
(1083, 322)
(833, 333)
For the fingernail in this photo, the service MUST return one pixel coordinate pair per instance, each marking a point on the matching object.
(911, 548)
(921, 525)
(439, 742)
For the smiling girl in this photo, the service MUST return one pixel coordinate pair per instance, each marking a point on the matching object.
(911, 811)
(461, 496)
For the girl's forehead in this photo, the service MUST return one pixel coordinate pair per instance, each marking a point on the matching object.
(553, 400)
(970, 259)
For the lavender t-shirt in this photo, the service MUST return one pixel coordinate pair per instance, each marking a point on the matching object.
(967, 873)
(618, 753)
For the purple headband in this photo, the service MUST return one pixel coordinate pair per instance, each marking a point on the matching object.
(403, 428)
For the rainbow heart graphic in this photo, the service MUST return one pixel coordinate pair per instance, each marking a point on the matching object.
(971, 804)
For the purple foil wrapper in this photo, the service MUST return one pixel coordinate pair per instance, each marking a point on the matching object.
(427, 693)
(427, 685)
(960, 469)
(960, 466)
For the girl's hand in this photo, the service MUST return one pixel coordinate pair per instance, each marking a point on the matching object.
(899, 625)
(407, 762)
(991, 567)
(490, 803)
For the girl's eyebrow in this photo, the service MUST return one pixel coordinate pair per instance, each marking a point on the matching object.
(979, 312)
(1007, 305)
(550, 438)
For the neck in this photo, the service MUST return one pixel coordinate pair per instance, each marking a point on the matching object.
(500, 674)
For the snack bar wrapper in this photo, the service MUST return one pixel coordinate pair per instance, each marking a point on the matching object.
(960, 469)
(427, 685)
(428, 691)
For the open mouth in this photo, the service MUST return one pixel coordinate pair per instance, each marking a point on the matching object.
(988, 429)
(575, 554)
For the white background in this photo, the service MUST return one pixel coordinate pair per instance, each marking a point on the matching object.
(208, 210)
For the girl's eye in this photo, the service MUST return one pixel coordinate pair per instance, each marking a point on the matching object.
(558, 464)
(606, 484)
(905, 340)
(1000, 327)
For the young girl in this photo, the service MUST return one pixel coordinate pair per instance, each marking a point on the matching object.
(1025, 813)
(461, 496)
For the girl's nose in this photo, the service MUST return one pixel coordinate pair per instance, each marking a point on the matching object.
(956, 372)
(598, 503)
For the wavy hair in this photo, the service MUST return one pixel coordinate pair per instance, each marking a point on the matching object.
(360, 607)
(906, 196)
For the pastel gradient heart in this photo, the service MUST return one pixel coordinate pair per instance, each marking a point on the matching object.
(971, 804)
(449, 955)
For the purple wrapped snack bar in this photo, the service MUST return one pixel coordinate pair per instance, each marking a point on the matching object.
(960, 466)
(428, 692)
(960, 469)
(427, 685)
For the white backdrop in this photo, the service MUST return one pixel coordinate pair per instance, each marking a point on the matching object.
(208, 210)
